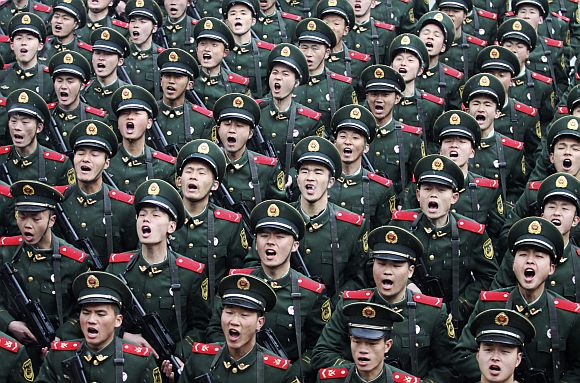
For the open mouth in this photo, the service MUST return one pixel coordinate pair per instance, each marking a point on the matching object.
(270, 254)
(357, 7)
(309, 188)
(233, 334)
(494, 369)
(57, 28)
(92, 332)
(85, 168)
(277, 86)
(379, 108)
(567, 164)
(386, 284)
(28, 236)
(529, 274)
(556, 222)
(231, 140)
(453, 154)
(173, 10)
(433, 206)
(402, 71)
(238, 24)
(101, 66)
(429, 45)
(63, 95)
(17, 136)
(363, 360)
(130, 127)
(206, 57)
(136, 34)
(192, 187)
(145, 230)
(480, 118)
(23, 51)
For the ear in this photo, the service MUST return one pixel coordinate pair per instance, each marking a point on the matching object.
(172, 227)
(388, 345)
(519, 359)
(107, 163)
(295, 246)
(260, 324)
(51, 220)
(118, 320)
(497, 112)
(121, 61)
(443, 48)
(397, 98)
(39, 127)
(552, 158)
(575, 221)
(552, 269)
(178, 181)
(215, 185)
(226, 52)
(327, 53)
(454, 198)
(331, 181)
(367, 148)
(189, 85)
(149, 123)
(472, 155)
(154, 29)
(253, 21)
(40, 46)
(411, 271)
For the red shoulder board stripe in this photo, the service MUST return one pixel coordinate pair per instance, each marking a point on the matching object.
(553, 42)
(400, 377)
(577, 74)
(65, 346)
(291, 16)
(309, 113)
(72, 253)
(428, 300)
(5, 149)
(535, 185)
(529, 110)
(10, 345)
(54, 156)
(202, 110)
(160, 49)
(349, 217)
(190, 264)
(246, 271)
(120, 257)
(85, 46)
(494, 296)
(573, 1)
(486, 182)
(563, 109)
(123, 197)
(487, 14)
(453, 72)
(45, 69)
(472, 226)
(510, 13)
(265, 45)
(276, 361)
(194, 21)
(542, 78)
(136, 350)
(512, 143)
(402, 215)
(11, 241)
(411, 129)
(5, 191)
(6, 66)
(332, 373)
(311, 285)
(51, 105)
(61, 188)
(263, 160)
(380, 180)
(119, 23)
(476, 41)
(164, 157)
(380, 24)
(359, 56)
(405, 1)
(567, 305)
(356, 294)
(578, 251)
(95, 111)
(4, 39)
(42, 8)
(232, 77)
(227, 215)
(562, 17)
(2, 99)
(207, 349)
(339, 77)
(432, 98)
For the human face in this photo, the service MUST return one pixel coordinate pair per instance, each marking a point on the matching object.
(133, 123)
(315, 54)
(153, 225)
(497, 361)
(314, 180)
(174, 85)
(240, 19)
(381, 104)
(391, 278)
(98, 322)
(105, 63)
(210, 53)
(67, 89)
(457, 15)
(408, 65)
(234, 135)
(369, 355)
(504, 77)
(89, 163)
(351, 145)
(267, 6)
(562, 213)
(519, 48)
(362, 8)
(458, 149)
(175, 8)
(23, 129)
(140, 29)
(63, 24)
(434, 38)
(96, 6)
(239, 326)
(566, 156)
(531, 14)
(435, 201)
(33, 226)
(282, 81)
(576, 111)
(26, 47)
(338, 25)
(532, 266)
(484, 109)
(196, 181)
(274, 248)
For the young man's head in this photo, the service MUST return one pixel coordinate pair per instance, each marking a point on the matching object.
(287, 69)
(518, 36)
(459, 135)
(67, 17)
(409, 57)
(383, 88)
(27, 34)
(362, 9)
(457, 10)
(573, 102)
(338, 15)
(236, 116)
(354, 129)
(110, 49)
(214, 40)
(175, 9)
(240, 15)
(500, 62)
(98, 7)
(437, 32)
(178, 70)
(501, 335)
(484, 97)
(315, 40)
(69, 71)
(27, 112)
(559, 200)
(533, 11)
(145, 17)
(135, 109)
(564, 145)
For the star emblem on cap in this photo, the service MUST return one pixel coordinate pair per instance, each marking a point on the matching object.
(238, 102)
(332, 3)
(25, 19)
(153, 189)
(517, 26)
(502, 319)
(379, 73)
(437, 164)
(173, 57)
(208, 25)
(391, 237)
(243, 284)
(28, 190)
(368, 312)
(203, 148)
(561, 182)
(405, 40)
(273, 210)
(105, 35)
(311, 26)
(572, 124)
(139, 3)
(534, 227)
(355, 113)
(92, 282)
(438, 17)
(494, 53)
(285, 52)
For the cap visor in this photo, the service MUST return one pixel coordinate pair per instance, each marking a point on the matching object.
(366, 333)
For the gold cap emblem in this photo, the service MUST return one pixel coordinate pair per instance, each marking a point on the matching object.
(67, 1)
(379, 73)
(203, 148)
(238, 102)
(454, 119)
(91, 129)
(243, 284)
(391, 237)
(208, 25)
(517, 26)
(368, 312)
(153, 189)
(438, 16)
(573, 124)
(285, 52)
(313, 146)
(437, 164)
(126, 94)
(332, 3)
(561, 182)
(273, 210)
(139, 3)
(173, 57)
(68, 59)
(494, 53)
(405, 40)
(105, 35)
(23, 97)
(25, 19)
(534, 228)
(484, 81)
(502, 319)
(355, 113)
(92, 282)
(28, 190)
(311, 26)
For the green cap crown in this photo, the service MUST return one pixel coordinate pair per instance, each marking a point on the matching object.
(214, 29)
(407, 42)
(484, 84)
(354, 117)
(70, 62)
(237, 106)
(75, 8)
(368, 320)
(395, 244)
(134, 97)
(34, 196)
(109, 40)
(439, 169)
(248, 292)
(341, 8)
(145, 8)
(25, 101)
(565, 126)
(502, 326)
(536, 232)
(163, 195)
(443, 21)
(278, 215)
(517, 29)
(499, 58)
(315, 31)
(382, 78)
(561, 185)
(94, 134)
(319, 150)
(101, 287)
(27, 22)
(175, 60)
(203, 150)
(457, 123)
(291, 56)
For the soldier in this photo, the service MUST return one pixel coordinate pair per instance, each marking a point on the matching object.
(18, 366)
(274, 25)
(178, 25)
(302, 8)
(13, 8)
(103, 356)
(325, 91)
(8, 226)
(457, 249)
(399, 13)
(481, 22)
(354, 130)
(26, 159)
(99, 16)
(537, 246)
(245, 301)
(214, 40)
(423, 337)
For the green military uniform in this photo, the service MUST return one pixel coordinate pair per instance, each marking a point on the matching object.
(302, 8)
(348, 373)
(17, 365)
(277, 27)
(401, 14)
(117, 25)
(372, 37)
(207, 8)
(481, 23)
(117, 361)
(423, 338)
(8, 10)
(180, 34)
(7, 223)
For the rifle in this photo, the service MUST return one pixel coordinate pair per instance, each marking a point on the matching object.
(526, 373)
(263, 146)
(73, 369)
(366, 163)
(428, 284)
(192, 11)
(267, 339)
(205, 378)
(25, 308)
(164, 38)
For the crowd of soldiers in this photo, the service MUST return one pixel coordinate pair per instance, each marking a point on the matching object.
(289, 191)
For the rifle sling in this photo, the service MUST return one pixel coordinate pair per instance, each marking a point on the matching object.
(455, 254)
(149, 162)
(375, 42)
(502, 167)
(402, 155)
(56, 265)
(331, 93)
(108, 220)
(211, 254)
(119, 360)
(366, 201)
(296, 297)
(257, 69)
(187, 122)
(289, 138)
(176, 292)
(334, 245)
(472, 187)
(282, 25)
(255, 179)
(412, 321)
(41, 166)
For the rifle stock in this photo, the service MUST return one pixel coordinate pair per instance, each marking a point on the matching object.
(268, 339)
(73, 369)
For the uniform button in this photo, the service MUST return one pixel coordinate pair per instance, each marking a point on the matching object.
(308, 251)
(434, 236)
(231, 190)
(416, 344)
(171, 115)
(357, 45)
(310, 229)
(232, 170)
(309, 101)
(239, 67)
(169, 133)
(290, 325)
(138, 71)
(174, 43)
(191, 226)
(64, 134)
(234, 370)
(127, 182)
(264, 36)
(83, 225)
(431, 257)
(400, 120)
(496, 176)
(253, 198)
(274, 135)
(453, 210)
(190, 245)
(148, 295)
(477, 166)
(30, 279)
(130, 164)
(397, 162)
(344, 186)
(553, 283)
(377, 154)
(214, 256)
(342, 204)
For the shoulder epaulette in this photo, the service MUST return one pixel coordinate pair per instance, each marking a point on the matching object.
(263, 160)
(136, 350)
(85, 46)
(73, 253)
(512, 143)
(2, 99)
(349, 217)
(411, 129)
(405, 1)
(474, 227)
(45, 69)
(61, 188)
(561, 17)
(494, 296)
(487, 14)
(387, 26)
(291, 16)
(190, 264)
(529, 110)
(402, 215)
(400, 377)
(356, 294)
(563, 109)
(202, 110)
(567, 305)
(51, 105)
(54, 156)
(236, 78)
(577, 74)
(194, 21)
(276, 361)
(207, 349)
(42, 8)
(487, 183)
(246, 271)
(160, 49)
(14, 240)
(120, 257)
(123, 197)
(554, 42)
(227, 215)
(164, 157)
(339, 77)
(95, 111)
(65, 346)
(380, 180)
(10, 345)
(535, 185)
(5, 149)
(428, 300)
(265, 45)
(5, 191)
(4, 39)
(476, 41)
(453, 72)
(309, 284)
(332, 373)
(119, 23)
(432, 98)
(542, 78)
(309, 113)
(359, 56)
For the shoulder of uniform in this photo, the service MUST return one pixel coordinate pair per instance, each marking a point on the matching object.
(534, 185)
(72, 253)
(452, 72)
(2, 2)
(309, 284)
(356, 294)
(136, 350)
(487, 183)
(276, 361)
(96, 111)
(332, 373)
(164, 157)
(9, 344)
(529, 110)
(119, 23)
(578, 251)
(554, 42)
(194, 21)
(411, 129)
(432, 98)
(5, 149)
(515, 144)
(350, 217)
(14, 240)
(45, 69)
(51, 105)
(123, 197)
(227, 215)
(265, 45)
(5, 191)
(469, 225)
(54, 156)
(65, 346)
(85, 46)
(428, 300)
(476, 41)
(202, 110)
(487, 14)
(561, 17)
(42, 8)
(563, 109)
(190, 264)
(4, 39)
(236, 78)
(359, 56)
(160, 49)
(340, 77)
(494, 296)
(403, 215)
(264, 160)
(387, 26)
(61, 188)
(120, 257)
(510, 14)
(542, 78)
(564, 304)
(303, 111)
(400, 377)
(380, 180)
(291, 16)
(246, 271)
(207, 349)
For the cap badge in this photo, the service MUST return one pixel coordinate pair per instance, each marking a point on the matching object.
(517, 26)
(23, 97)
(91, 129)
(68, 59)
(238, 102)
(273, 210)
(561, 182)
(391, 237)
(313, 146)
(208, 24)
(535, 228)
(153, 189)
(126, 94)
(502, 319)
(105, 35)
(369, 312)
(173, 57)
(455, 119)
(573, 124)
(405, 40)
(379, 73)
(355, 113)
(203, 148)
(140, 3)
(285, 52)
(332, 3)
(484, 81)
(67, 1)
(243, 284)
(28, 190)
(438, 17)
(92, 282)
(311, 26)
(494, 53)
(25, 19)
(437, 164)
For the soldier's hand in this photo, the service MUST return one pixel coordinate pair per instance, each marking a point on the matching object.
(288, 181)
(21, 332)
(138, 340)
(44, 350)
(167, 369)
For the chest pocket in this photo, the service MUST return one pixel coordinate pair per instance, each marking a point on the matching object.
(100, 230)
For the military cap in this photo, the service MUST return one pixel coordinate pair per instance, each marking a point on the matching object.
(70, 62)
(573, 98)
(408, 42)
(101, 287)
(355, 117)
(443, 21)
(316, 31)
(563, 126)
(517, 29)
(371, 321)
(560, 185)
(175, 60)
(94, 134)
(214, 29)
(163, 195)
(393, 243)
(34, 196)
(320, 150)
(341, 8)
(251, 4)
(502, 326)
(499, 58)
(134, 97)
(291, 56)
(537, 232)
(439, 169)
(237, 106)
(542, 5)
(466, 5)
(26, 101)
(382, 78)
(275, 214)
(204, 150)
(248, 292)
(484, 84)
(145, 8)
(75, 8)
(109, 40)
(27, 22)
(456, 123)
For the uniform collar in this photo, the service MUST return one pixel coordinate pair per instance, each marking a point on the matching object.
(241, 365)
(240, 162)
(274, 283)
(197, 220)
(86, 199)
(96, 358)
(529, 309)
(314, 223)
(352, 179)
